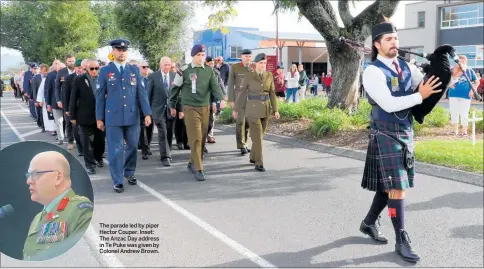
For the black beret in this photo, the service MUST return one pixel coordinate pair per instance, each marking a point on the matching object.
(34, 65)
(209, 59)
(246, 52)
(259, 57)
(197, 49)
(381, 29)
(120, 43)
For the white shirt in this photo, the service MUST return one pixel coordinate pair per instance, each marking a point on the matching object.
(167, 76)
(375, 84)
(70, 72)
(292, 82)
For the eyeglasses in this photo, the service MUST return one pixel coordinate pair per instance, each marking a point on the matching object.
(144, 67)
(36, 174)
(94, 68)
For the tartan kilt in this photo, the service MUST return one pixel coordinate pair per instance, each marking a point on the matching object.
(386, 159)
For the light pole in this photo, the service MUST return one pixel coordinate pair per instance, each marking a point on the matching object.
(277, 38)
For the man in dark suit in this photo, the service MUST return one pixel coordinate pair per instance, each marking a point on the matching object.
(60, 86)
(26, 87)
(82, 112)
(36, 80)
(79, 66)
(146, 132)
(52, 104)
(160, 84)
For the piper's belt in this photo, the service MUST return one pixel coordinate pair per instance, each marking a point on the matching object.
(258, 97)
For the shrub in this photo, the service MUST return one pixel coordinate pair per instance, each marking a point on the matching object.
(329, 122)
(313, 107)
(439, 117)
(225, 116)
(480, 125)
(291, 111)
(362, 116)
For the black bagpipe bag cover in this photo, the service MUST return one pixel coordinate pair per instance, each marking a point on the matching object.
(440, 67)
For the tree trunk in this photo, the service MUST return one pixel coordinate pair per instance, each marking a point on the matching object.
(345, 70)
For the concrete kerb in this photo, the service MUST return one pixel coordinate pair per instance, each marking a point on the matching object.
(422, 168)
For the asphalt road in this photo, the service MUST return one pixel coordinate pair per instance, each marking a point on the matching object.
(304, 211)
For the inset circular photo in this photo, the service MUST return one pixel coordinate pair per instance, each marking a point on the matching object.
(46, 201)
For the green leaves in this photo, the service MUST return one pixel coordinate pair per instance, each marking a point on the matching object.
(153, 27)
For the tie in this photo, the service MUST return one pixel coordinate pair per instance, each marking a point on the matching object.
(121, 70)
(165, 82)
(397, 68)
(261, 76)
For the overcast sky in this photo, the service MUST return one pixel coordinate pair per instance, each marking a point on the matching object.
(256, 14)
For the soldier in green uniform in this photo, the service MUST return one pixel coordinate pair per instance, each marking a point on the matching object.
(196, 82)
(255, 101)
(65, 216)
(236, 77)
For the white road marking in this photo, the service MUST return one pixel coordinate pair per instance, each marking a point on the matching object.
(108, 260)
(31, 133)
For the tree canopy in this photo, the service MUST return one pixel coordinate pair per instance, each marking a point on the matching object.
(154, 27)
(345, 62)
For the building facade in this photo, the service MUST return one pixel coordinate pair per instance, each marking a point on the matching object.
(429, 24)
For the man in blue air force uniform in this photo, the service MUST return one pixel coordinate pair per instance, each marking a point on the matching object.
(119, 96)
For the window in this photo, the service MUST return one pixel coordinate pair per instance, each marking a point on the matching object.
(217, 51)
(409, 57)
(235, 52)
(473, 53)
(462, 16)
(421, 19)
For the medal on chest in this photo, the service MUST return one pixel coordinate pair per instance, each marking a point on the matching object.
(395, 84)
(133, 79)
(193, 79)
(53, 231)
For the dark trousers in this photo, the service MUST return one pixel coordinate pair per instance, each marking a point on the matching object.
(77, 135)
(181, 132)
(165, 136)
(211, 120)
(68, 129)
(93, 144)
(40, 119)
(145, 137)
(32, 108)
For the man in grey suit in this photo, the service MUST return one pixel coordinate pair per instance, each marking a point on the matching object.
(159, 87)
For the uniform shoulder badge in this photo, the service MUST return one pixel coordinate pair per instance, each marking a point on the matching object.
(87, 205)
(184, 67)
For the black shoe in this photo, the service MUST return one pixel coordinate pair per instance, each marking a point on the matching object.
(91, 171)
(404, 249)
(260, 168)
(251, 161)
(100, 163)
(150, 153)
(180, 146)
(200, 176)
(244, 151)
(186, 147)
(119, 188)
(246, 148)
(166, 162)
(190, 168)
(205, 150)
(145, 156)
(131, 180)
(374, 232)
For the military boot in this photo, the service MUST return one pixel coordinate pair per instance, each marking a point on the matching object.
(404, 249)
(374, 231)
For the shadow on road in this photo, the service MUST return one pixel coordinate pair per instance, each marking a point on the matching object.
(304, 258)
(469, 231)
(458, 200)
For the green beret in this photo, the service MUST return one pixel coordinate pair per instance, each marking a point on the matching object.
(260, 57)
(78, 62)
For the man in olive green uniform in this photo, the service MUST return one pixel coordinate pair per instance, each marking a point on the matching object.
(65, 216)
(236, 77)
(257, 90)
(196, 82)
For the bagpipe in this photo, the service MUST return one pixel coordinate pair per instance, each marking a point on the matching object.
(439, 66)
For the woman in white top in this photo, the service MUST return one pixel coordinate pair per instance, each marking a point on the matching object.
(292, 86)
(49, 125)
